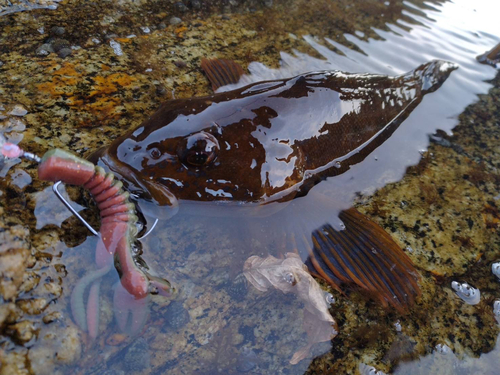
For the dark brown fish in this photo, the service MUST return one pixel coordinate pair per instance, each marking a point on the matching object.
(254, 148)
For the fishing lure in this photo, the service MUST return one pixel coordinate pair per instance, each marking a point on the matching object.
(116, 244)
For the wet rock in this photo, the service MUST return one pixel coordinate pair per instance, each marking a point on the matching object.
(175, 21)
(268, 3)
(180, 7)
(238, 289)
(22, 332)
(162, 25)
(7, 312)
(44, 49)
(64, 52)
(59, 44)
(57, 30)
(61, 346)
(195, 4)
(14, 251)
(33, 306)
(18, 110)
(52, 317)
(137, 356)
(176, 315)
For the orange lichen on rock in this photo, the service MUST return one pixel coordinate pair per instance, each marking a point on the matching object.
(95, 95)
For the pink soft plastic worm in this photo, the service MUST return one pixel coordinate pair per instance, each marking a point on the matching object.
(117, 234)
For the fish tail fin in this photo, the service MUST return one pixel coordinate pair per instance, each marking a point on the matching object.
(365, 255)
(432, 74)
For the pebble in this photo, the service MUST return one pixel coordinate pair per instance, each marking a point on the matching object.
(175, 21)
(18, 110)
(195, 4)
(64, 52)
(180, 7)
(44, 50)
(59, 44)
(57, 30)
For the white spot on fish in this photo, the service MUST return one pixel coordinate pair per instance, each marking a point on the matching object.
(218, 193)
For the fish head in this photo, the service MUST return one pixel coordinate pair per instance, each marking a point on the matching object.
(197, 150)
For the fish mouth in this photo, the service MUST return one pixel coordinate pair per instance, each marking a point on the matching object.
(152, 198)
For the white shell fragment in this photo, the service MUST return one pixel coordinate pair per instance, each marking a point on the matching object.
(467, 293)
(495, 268)
(496, 310)
(369, 370)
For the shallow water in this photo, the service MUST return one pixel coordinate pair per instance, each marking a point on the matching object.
(218, 323)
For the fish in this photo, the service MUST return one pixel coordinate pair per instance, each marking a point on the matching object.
(256, 150)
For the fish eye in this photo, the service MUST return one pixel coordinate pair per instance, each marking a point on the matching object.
(198, 149)
(155, 153)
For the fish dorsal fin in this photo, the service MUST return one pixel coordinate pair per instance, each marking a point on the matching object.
(221, 72)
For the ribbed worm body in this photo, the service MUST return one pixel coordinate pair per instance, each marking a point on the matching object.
(118, 218)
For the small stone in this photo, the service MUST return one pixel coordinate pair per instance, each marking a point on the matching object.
(44, 50)
(64, 52)
(195, 4)
(268, 3)
(22, 332)
(52, 317)
(18, 110)
(180, 7)
(162, 25)
(59, 44)
(175, 21)
(57, 30)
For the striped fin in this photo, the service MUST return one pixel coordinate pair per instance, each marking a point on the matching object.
(221, 72)
(365, 255)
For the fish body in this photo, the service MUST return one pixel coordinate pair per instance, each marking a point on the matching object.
(266, 142)
(251, 150)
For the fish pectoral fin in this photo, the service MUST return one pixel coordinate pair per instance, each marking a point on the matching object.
(365, 255)
(221, 72)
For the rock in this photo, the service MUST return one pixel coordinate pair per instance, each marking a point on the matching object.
(59, 44)
(137, 356)
(180, 7)
(162, 25)
(57, 30)
(176, 315)
(44, 50)
(64, 52)
(14, 251)
(195, 4)
(22, 332)
(18, 110)
(175, 21)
